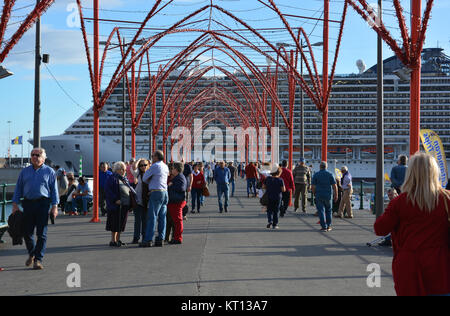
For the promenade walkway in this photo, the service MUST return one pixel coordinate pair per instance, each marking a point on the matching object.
(229, 254)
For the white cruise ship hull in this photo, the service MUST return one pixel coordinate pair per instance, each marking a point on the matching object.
(68, 150)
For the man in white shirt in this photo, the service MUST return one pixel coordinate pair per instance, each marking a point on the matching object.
(156, 178)
(346, 203)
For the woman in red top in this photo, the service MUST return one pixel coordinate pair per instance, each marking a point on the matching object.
(198, 182)
(420, 225)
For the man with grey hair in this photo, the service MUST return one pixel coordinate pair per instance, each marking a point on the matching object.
(324, 188)
(302, 180)
(156, 178)
(38, 187)
(347, 187)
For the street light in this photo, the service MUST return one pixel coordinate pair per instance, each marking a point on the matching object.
(5, 72)
(302, 121)
(141, 41)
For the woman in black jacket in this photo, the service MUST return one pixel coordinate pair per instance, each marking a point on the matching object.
(119, 202)
(177, 200)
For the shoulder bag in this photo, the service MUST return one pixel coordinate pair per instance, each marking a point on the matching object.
(205, 191)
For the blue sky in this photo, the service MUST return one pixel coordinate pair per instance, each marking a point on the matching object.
(68, 61)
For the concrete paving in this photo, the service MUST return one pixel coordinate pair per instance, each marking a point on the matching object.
(231, 254)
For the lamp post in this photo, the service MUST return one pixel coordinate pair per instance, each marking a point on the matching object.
(302, 116)
(124, 107)
(379, 196)
(37, 86)
(9, 143)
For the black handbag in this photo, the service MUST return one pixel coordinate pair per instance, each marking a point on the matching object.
(265, 199)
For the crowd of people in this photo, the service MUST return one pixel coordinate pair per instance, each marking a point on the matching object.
(417, 216)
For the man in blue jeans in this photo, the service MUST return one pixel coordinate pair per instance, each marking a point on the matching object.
(156, 177)
(324, 188)
(38, 188)
(222, 175)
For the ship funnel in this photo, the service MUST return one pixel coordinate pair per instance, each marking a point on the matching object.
(361, 66)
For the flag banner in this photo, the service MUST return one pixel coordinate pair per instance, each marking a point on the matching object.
(433, 146)
(17, 141)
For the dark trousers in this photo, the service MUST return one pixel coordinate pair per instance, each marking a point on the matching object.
(251, 186)
(285, 202)
(196, 195)
(102, 200)
(140, 222)
(300, 191)
(272, 211)
(36, 214)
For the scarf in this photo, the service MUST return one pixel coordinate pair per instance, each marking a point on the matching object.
(125, 181)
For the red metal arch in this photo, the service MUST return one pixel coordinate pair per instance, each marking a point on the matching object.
(410, 53)
(8, 5)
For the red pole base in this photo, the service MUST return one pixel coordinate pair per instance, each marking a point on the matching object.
(95, 220)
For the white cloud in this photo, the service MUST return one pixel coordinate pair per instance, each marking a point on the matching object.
(49, 77)
(104, 4)
(65, 47)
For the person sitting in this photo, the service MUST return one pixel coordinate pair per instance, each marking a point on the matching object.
(83, 195)
(68, 197)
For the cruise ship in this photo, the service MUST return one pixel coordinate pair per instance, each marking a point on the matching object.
(352, 119)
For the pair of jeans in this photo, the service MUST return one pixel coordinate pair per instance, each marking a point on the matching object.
(84, 200)
(324, 210)
(251, 183)
(272, 211)
(223, 189)
(140, 222)
(157, 211)
(196, 195)
(233, 186)
(36, 215)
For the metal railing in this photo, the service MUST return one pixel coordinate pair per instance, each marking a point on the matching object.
(4, 202)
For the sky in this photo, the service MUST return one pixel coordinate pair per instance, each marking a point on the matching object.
(65, 87)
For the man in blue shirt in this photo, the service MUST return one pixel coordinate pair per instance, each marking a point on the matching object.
(104, 174)
(324, 188)
(38, 187)
(83, 194)
(222, 176)
(398, 173)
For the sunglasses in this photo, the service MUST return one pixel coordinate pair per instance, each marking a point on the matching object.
(143, 166)
(35, 155)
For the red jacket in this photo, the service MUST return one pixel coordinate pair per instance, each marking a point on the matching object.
(421, 264)
(250, 172)
(288, 179)
(198, 181)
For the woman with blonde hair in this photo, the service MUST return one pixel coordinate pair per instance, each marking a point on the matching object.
(419, 222)
(140, 211)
